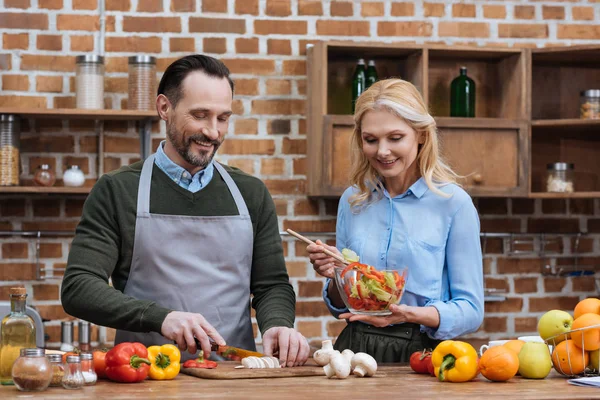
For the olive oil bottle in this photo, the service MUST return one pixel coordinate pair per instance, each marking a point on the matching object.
(17, 332)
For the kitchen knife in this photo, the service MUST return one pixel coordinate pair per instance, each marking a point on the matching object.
(230, 352)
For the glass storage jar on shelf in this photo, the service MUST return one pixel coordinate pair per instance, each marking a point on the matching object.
(44, 176)
(32, 371)
(142, 83)
(10, 162)
(90, 81)
(590, 104)
(560, 177)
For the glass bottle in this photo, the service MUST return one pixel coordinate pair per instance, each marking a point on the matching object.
(10, 162)
(44, 176)
(16, 332)
(87, 369)
(32, 371)
(73, 378)
(58, 369)
(371, 74)
(142, 83)
(358, 81)
(462, 95)
(73, 177)
(89, 81)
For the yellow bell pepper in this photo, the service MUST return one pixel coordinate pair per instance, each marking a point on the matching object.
(164, 361)
(455, 361)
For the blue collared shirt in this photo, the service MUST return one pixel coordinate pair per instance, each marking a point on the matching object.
(179, 175)
(436, 237)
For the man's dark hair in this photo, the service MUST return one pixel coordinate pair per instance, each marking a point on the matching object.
(170, 83)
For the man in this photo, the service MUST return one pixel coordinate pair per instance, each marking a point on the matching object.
(185, 240)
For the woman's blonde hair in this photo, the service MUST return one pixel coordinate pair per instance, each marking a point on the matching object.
(403, 100)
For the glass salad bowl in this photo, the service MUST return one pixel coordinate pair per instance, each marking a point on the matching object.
(368, 291)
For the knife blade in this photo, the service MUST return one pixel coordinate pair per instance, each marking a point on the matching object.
(230, 352)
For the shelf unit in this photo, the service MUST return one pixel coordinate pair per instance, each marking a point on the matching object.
(524, 120)
(144, 118)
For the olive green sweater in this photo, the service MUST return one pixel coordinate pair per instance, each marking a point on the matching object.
(103, 247)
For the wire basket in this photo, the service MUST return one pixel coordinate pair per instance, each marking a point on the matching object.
(570, 359)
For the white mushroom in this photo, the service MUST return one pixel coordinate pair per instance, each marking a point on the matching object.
(348, 354)
(338, 366)
(260, 362)
(363, 365)
(321, 356)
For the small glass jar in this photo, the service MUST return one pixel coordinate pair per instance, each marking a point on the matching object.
(87, 369)
(73, 378)
(90, 81)
(142, 83)
(590, 104)
(73, 177)
(32, 371)
(560, 177)
(44, 176)
(10, 162)
(58, 369)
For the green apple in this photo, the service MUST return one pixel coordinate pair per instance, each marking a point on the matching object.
(553, 323)
(534, 360)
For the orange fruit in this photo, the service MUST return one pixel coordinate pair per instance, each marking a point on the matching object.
(514, 345)
(587, 339)
(499, 364)
(589, 305)
(569, 359)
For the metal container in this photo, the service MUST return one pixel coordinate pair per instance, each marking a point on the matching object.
(142, 83)
(10, 161)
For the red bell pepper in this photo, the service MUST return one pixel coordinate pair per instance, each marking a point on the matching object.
(128, 363)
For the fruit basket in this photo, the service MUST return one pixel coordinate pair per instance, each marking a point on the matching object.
(576, 353)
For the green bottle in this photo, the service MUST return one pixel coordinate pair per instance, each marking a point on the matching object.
(358, 81)
(371, 74)
(462, 95)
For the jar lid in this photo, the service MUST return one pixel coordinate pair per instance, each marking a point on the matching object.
(560, 166)
(89, 58)
(86, 356)
(54, 357)
(73, 166)
(9, 117)
(73, 359)
(32, 352)
(45, 166)
(142, 59)
(591, 93)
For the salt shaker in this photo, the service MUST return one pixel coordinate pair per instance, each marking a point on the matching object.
(73, 176)
(87, 369)
(73, 378)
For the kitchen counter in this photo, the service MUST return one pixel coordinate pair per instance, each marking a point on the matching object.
(391, 381)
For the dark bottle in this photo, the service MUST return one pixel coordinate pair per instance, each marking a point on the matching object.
(371, 74)
(462, 95)
(358, 81)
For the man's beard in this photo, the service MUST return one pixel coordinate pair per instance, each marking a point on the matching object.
(183, 147)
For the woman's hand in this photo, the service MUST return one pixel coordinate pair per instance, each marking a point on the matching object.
(322, 263)
(400, 313)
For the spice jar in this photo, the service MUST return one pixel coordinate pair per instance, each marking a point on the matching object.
(90, 81)
(73, 378)
(87, 369)
(142, 83)
(73, 177)
(58, 369)
(9, 150)
(560, 177)
(32, 371)
(590, 104)
(44, 176)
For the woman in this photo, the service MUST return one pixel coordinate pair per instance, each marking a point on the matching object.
(404, 208)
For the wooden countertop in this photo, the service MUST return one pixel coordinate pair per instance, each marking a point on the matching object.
(391, 381)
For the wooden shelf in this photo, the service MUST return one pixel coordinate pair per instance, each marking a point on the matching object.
(40, 189)
(75, 113)
(483, 123)
(574, 195)
(567, 124)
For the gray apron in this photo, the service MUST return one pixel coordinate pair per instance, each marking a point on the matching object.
(194, 264)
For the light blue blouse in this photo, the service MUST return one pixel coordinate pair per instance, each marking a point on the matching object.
(436, 237)
(179, 175)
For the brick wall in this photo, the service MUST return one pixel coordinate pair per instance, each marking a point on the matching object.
(263, 43)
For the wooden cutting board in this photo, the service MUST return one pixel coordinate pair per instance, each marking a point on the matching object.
(227, 370)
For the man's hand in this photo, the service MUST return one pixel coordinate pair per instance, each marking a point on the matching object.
(182, 327)
(288, 343)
